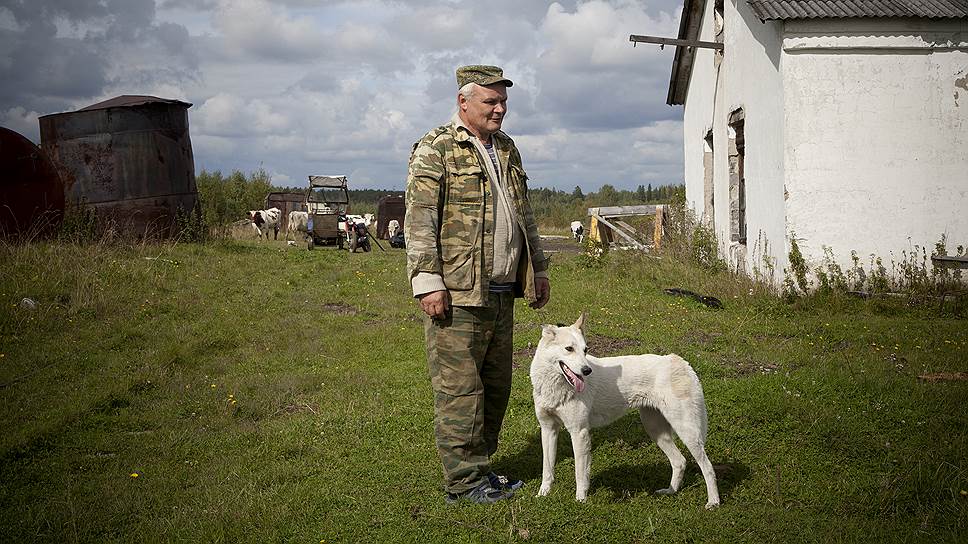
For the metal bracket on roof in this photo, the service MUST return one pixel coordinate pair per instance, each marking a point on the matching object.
(674, 41)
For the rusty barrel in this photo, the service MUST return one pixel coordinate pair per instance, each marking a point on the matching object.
(31, 192)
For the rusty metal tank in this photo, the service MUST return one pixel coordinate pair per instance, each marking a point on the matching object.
(31, 192)
(130, 158)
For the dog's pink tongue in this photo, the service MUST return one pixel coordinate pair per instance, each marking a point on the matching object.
(576, 380)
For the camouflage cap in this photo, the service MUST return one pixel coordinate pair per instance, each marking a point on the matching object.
(482, 75)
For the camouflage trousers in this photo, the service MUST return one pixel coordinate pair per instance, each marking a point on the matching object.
(469, 357)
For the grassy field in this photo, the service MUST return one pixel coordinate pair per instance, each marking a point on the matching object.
(247, 392)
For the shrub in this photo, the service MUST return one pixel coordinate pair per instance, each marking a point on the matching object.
(226, 200)
(594, 254)
(687, 239)
(190, 225)
(79, 224)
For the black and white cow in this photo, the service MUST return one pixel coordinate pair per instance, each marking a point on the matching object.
(577, 231)
(265, 220)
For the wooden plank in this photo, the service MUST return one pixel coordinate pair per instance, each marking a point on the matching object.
(629, 229)
(675, 41)
(621, 233)
(619, 211)
(950, 261)
(625, 225)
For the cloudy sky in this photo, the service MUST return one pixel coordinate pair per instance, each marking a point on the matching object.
(301, 87)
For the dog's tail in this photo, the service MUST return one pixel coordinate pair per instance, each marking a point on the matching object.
(686, 386)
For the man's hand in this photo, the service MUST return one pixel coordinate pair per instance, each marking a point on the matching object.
(435, 303)
(542, 289)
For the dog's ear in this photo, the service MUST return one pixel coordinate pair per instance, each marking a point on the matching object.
(548, 331)
(580, 324)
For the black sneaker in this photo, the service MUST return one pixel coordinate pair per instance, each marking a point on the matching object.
(503, 482)
(484, 493)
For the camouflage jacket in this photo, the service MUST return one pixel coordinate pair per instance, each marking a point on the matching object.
(450, 221)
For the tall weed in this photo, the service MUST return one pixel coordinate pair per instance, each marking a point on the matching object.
(687, 239)
(911, 277)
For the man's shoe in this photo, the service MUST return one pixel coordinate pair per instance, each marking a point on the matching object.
(484, 493)
(503, 482)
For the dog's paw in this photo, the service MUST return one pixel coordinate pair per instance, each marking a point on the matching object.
(666, 491)
(712, 505)
(544, 491)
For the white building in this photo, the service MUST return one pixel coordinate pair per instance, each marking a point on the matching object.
(843, 123)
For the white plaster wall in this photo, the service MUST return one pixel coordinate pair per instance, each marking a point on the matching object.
(876, 132)
(748, 78)
(698, 114)
(751, 80)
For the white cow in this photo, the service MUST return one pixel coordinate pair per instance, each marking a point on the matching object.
(298, 222)
(578, 231)
(366, 219)
(265, 220)
(393, 227)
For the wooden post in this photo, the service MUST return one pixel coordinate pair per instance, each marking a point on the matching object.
(600, 232)
(593, 230)
(658, 230)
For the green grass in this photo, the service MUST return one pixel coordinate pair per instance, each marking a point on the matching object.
(262, 393)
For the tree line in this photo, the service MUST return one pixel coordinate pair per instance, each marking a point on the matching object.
(226, 199)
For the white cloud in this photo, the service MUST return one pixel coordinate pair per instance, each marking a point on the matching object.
(22, 121)
(254, 27)
(229, 115)
(278, 178)
(206, 148)
(435, 27)
(220, 115)
(303, 86)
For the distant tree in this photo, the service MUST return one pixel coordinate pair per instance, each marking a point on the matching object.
(577, 193)
(608, 194)
(648, 194)
(225, 199)
(640, 193)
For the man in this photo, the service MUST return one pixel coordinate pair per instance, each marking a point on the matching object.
(472, 247)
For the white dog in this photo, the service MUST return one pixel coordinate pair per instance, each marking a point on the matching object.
(578, 391)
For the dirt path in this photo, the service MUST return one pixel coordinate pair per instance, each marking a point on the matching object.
(560, 244)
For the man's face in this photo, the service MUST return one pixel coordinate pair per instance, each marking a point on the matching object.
(483, 112)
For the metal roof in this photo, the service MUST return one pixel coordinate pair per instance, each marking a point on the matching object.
(692, 14)
(828, 9)
(689, 25)
(335, 182)
(129, 100)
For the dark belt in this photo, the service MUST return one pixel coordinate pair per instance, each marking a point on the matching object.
(495, 287)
